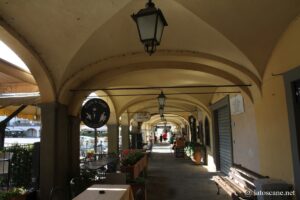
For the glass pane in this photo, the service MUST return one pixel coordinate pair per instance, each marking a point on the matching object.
(160, 29)
(147, 26)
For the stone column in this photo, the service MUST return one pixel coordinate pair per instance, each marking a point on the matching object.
(75, 145)
(113, 138)
(125, 136)
(125, 130)
(55, 153)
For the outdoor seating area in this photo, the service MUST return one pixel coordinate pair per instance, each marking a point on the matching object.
(111, 192)
(128, 168)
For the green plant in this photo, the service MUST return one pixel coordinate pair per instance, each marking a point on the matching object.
(131, 158)
(7, 195)
(21, 165)
(191, 147)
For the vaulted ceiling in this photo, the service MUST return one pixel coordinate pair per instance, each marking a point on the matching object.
(94, 44)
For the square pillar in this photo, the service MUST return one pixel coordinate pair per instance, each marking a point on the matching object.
(75, 145)
(55, 152)
(125, 136)
(113, 138)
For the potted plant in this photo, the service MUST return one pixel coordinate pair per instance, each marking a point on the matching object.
(195, 151)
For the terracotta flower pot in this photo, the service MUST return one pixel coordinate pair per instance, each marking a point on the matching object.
(197, 158)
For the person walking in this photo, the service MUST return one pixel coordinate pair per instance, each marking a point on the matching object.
(160, 138)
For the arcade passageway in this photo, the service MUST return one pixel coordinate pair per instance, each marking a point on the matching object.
(228, 72)
(178, 178)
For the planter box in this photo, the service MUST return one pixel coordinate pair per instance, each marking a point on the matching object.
(135, 170)
(139, 191)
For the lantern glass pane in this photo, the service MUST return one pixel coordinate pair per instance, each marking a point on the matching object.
(146, 26)
(160, 29)
(161, 101)
(161, 111)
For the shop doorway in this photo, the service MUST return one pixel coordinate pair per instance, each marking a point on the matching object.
(222, 135)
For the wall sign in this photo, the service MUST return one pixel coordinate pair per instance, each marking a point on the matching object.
(95, 113)
(142, 117)
(236, 104)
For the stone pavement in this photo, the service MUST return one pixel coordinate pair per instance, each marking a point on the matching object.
(171, 178)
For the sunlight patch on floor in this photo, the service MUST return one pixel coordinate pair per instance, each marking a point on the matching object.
(166, 148)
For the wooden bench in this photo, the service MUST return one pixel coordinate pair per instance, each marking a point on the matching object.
(239, 183)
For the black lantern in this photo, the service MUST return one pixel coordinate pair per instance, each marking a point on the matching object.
(150, 22)
(161, 111)
(161, 100)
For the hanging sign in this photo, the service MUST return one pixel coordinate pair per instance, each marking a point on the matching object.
(95, 113)
(142, 117)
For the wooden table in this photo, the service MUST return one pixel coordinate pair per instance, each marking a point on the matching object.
(112, 192)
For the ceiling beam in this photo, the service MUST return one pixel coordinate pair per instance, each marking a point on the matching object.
(163, 87)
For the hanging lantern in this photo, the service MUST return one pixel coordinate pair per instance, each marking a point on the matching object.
(150, 23)
(161, 111)
(161, 100)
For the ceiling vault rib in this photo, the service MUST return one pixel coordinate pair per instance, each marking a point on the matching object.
(161, 87)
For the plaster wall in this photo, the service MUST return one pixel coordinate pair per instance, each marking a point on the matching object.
(271, 111)
(273, 132)
(245, 139)
(209, 149)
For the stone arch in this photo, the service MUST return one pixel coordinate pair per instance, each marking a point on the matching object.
(177, 118)
(32, 132)
(31, 59)
(170, 60)
(143, 101)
